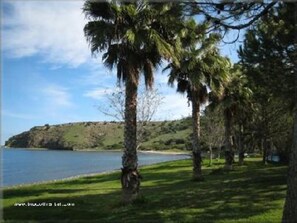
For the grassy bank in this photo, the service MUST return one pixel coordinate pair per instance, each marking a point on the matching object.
(251, 193)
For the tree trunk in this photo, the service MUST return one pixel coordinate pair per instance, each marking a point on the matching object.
(130, 178)
(264, 146)
(197, 173)
(240, 152)
(210, 155)
(240, 146)
(229, 154)
(262, 149)
(219, 152)
(290, 208)
(241, 158)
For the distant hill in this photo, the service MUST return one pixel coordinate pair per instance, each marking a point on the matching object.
(162, 135)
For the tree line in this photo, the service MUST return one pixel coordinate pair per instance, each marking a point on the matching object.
(255, 97)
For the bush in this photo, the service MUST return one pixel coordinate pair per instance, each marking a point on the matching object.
(174, 142)
(114, 146)
(180, 141)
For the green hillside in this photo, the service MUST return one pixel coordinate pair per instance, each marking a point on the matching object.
(161, 135)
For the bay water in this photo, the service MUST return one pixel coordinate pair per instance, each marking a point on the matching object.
(25, 166)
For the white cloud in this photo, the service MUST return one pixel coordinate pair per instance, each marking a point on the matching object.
(175, 106)
(98, 93)
(98, 77)
(56, 97)
(52, 29)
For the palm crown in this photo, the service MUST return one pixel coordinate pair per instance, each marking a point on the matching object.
(131, 37)
(200, 68)
(236, 95)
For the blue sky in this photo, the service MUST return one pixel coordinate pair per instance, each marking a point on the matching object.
(48, 74)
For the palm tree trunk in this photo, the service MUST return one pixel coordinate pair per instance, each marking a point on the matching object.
(197, 173)
(290, 209)
(130, 178)
(229, 154)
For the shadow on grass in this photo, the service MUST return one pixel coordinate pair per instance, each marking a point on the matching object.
(92, 179)
(169, 196)
(24, 192)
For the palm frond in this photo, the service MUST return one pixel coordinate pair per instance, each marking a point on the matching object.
(182, 85)
(99, 34)
(148, 74)
(122, 71)
(98, 9)
(203, 94)
(111, 57)
(130, 36)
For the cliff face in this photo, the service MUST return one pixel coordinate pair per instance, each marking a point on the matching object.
(20, 140)
(72, 136)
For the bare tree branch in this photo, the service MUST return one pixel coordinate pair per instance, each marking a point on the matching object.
(147, 106)
(234, 11)
(255, 18)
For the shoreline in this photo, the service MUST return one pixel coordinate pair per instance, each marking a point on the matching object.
(165, 152)
(59, 180)
(181, 152)
(65, 179)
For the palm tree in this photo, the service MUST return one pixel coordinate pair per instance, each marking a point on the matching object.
(234, 102)
(134, 37)
(199, 70)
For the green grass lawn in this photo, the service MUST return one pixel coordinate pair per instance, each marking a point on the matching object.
(250, 193)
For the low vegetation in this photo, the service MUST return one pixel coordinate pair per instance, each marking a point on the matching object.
(163, 135)
(250, 193)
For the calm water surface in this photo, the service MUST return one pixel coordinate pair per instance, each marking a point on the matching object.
(23, 166)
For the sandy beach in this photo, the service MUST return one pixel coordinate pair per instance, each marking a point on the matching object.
(165, 152)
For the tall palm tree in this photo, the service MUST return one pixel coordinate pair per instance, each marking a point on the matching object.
(134, 37)
(234, 102)
(200, 69)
